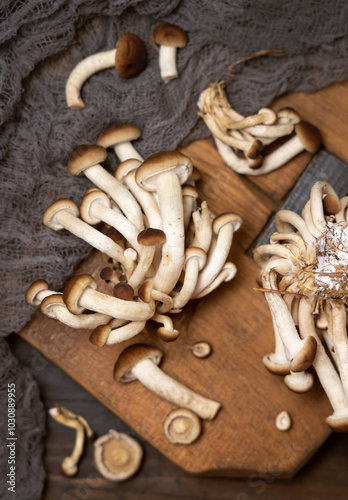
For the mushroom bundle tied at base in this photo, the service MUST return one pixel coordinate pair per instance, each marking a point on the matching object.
(304, 272)
(162, 246)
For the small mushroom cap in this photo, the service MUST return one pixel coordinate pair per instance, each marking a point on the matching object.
(182, 426)
(93, 197)
(123, 291)
(144, 291)
(283, 421)
(338, 423)
(117, 456)
(167, 335)
(170, 35)
(74, 289)
(305, 357)
(130, 356)
(35, 288)
(131, 57)
(49, 303)
(309, 135)
(158, 163)
(226, 218)
(290, 114)
(201, 349)
(51, 214)
(276, 368)
(114, 234)
(198, 253)
(188, 190)
(100, 335)
(305, 384)
(151, 236)
(118, 133)
(85, 156)
(256, 163)
(126, 167)
(331, 204)
(270, 117)
(255, 149)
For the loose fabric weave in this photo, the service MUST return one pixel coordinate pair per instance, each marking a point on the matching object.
(42, 41)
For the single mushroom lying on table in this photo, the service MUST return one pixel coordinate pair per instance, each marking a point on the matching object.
(129, 59)
(305, 277)
(140, 362)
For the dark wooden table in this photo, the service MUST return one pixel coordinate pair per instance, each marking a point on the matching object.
(326, 474)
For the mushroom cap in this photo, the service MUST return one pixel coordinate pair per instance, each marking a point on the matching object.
(114, 234)
(198, 253)
(331, 204)
(305, 357)
(74, 289)
(226, 218)
(100, 335)
(131, 56)
(117, 133)
(144, 291)
(256, 163)
(170, 35)
(270, 117)
(32, 292)
(201, 349)
(188, 190)
(274, 367)
(85, 156)
(126, 167)
(49, 303)
(304, 384)
(151, 236)
(130, 356)
(182, 426)
(309, 135)
(123, 291)
(254, 151)
(338, 421)
(158, 163)
(117, 456)
(167, 335)
(93, 197)
(290, 114)
(51, 214)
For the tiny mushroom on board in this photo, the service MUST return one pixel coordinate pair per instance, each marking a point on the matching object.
(201, 349)
(283, 421)
(182, 426)
(140, 362)
(117, 456)
(169, 37)
(129, 59)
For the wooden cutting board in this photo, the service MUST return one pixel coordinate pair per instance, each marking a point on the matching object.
(234, 319)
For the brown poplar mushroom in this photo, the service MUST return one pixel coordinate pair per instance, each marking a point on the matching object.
(85, 159)
(169, 37)
(164, 173)
(129, 59)
(140, 362)
(182, 426)
(37, 291)
(117, 456)
(119, 137)
(107, 335)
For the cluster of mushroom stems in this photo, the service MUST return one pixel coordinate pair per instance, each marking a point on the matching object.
(304, 272)
(165, 248)
(241, 140)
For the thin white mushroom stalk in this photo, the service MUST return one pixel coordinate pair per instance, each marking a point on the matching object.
(240, 140)
(165, 246)
(305, 280)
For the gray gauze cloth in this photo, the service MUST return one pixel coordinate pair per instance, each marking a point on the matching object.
(40, 43)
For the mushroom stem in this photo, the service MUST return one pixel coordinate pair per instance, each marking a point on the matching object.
(166, 387)
(227, 273)
(318, 192)
(203, 231)
(105, 335)
(167, 63)
(338, 324)
(86, 68)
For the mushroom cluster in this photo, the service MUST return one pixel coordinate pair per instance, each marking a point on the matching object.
(164, 247)
(240, 140)
(304, 272)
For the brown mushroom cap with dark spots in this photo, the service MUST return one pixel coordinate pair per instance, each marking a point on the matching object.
(170, 35)
(123, 291)
(131, 57)
(85, 156)
(130, 357)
